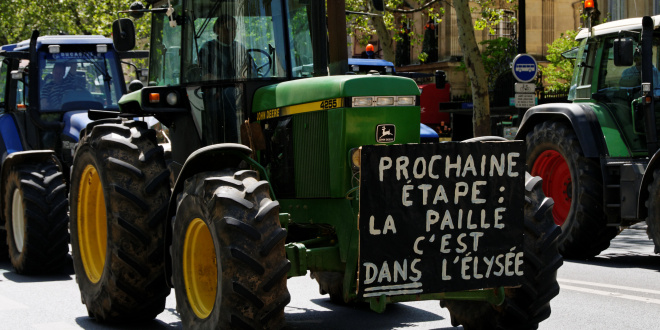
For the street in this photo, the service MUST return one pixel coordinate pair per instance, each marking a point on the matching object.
(620, 289)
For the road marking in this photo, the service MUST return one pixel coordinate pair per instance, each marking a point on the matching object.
(55, 326)
(611, 294)
(610, 286)
(7, 304)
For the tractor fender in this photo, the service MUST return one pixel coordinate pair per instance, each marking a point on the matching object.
(209, 158)
(74, 122)
(10, 139)
(578, 115)
(647, 179)
(24, 157)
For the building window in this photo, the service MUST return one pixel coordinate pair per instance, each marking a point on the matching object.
(617, 9)
(505, 28)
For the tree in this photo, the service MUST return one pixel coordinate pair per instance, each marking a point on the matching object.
(490, 15)
(382, 25)
(475, 68)
(559, 70)
(18, 18)
(497, 55)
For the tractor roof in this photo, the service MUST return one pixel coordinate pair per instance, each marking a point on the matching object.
(629, 24)
(368, 61)
(65, 40)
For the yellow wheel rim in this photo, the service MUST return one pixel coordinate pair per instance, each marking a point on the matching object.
(200, 271)
(92, 224)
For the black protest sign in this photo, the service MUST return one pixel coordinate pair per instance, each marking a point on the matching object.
(440, 217)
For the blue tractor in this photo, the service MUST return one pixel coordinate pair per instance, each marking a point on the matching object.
(47, 86)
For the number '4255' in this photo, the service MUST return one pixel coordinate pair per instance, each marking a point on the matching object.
(329, 104)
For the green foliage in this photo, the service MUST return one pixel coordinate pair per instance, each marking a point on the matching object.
(18, 18)
(497, 57)
(423, 57)
(558, 72)
(397, 14)
(491, 13)
(360, 25)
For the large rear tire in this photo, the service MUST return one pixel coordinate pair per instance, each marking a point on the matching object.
(36, 218)
(523, 307)
(653, 205)
(228, 259)
(119, 194)
(574, 182)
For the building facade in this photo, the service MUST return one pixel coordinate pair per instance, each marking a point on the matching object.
(544, 21)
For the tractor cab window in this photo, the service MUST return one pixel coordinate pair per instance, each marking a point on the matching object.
(165, 51)
(621, 83)
(232, 41)
(302, 56)
(78, 80)
(582, 75)
(619, 87)
(238, 41)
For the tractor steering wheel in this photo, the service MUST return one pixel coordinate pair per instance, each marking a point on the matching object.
(269, 64)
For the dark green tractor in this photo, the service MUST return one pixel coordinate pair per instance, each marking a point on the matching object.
(598, 156)
(278, 170)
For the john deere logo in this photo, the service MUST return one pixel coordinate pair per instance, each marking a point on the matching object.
(385, 133)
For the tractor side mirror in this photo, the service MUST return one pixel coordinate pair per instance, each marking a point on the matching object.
(123, 34)
(134, 85)
(17, 74)
(623, 52)
(440, 79)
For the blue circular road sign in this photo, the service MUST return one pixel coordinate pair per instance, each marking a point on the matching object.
(524, 68)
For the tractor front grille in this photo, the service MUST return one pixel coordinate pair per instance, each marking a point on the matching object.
(311, 150)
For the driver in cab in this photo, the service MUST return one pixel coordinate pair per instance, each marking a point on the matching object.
(224, 57)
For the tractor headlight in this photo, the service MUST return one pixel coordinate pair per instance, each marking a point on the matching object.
(362, 101)
(383, 101)
(355, 158)
(405, 100)
(172, 98)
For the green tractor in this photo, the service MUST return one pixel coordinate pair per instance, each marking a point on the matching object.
(278, 170)
(598, 156)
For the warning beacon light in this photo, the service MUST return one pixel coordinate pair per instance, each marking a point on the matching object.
(370, 51)
(588, 6)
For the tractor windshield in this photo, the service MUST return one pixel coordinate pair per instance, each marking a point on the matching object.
(78, 80)
(245, 40)
(623, 84)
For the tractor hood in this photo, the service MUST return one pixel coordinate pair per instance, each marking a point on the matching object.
(323, 88)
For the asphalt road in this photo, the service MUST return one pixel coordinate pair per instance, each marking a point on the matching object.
(620, 289)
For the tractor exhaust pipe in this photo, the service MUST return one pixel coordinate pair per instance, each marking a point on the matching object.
(647, 84)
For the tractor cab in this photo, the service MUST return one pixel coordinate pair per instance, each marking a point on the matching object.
(52, 81)
(212, 56)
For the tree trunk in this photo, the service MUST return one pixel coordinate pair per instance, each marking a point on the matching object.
(475, 68)
(338, 53)
(385, 38)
